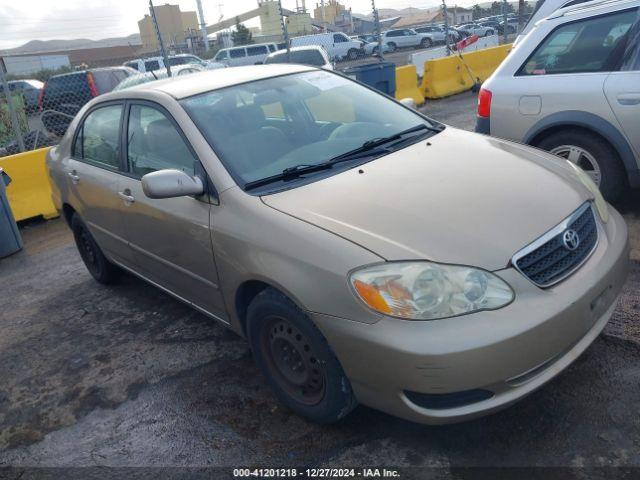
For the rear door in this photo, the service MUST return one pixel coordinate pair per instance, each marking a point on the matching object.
(238, 57)
(257, 53)
(622, 87)
(93, 173)
(170, 238)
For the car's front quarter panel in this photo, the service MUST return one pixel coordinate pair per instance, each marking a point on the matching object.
(255, 242)
(510, 351)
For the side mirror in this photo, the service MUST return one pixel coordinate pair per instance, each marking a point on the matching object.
(171, 184)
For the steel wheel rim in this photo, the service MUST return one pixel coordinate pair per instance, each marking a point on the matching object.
(88, 253)
(292, 361)
(582, 158)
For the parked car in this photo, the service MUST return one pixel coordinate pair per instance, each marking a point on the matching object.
(64, 95)
(176, 71)
(436, 32)
(253, 54)
(337, 45)
(476, 29)
(157, 63)
(312, 55)
(407, 38)
(512, 26)
(572, 87)
(254, 195)
(30, 91)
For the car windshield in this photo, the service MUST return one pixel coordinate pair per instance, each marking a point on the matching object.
(304, 57)
(263, 128)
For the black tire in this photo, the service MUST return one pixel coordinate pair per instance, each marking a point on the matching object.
(282, 338)
(99, 267)
(488, 33)
(392, 47)
(426, 43)
(352, 54)
(613, 176)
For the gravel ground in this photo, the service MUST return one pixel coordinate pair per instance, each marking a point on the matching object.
(127, 376)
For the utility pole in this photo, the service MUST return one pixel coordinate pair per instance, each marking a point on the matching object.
(378, 32)
(446, 27)
(285, 31)
(162, 50)
(504, 19)
(203, 26)
(12, 109)
(520, 15)
(324, 24)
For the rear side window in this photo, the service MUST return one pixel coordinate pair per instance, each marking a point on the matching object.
(150, 65)
(592, 45)
(133, 65)
(237, 53)
(253, 51)
(98, 140)
(272, 48)
(631, 56)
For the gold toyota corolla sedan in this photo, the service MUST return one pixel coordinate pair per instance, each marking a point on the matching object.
(368, 253)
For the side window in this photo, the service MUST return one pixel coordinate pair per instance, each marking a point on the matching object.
(154, 143)
(99, 137)
(151, 65)
(631, 56)
(237, 53)
(221, 55)
(254, 51)
(272, 48)
(133, 65)
(338, 38)
(591, 45)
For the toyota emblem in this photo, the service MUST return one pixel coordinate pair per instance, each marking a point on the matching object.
(570, 239)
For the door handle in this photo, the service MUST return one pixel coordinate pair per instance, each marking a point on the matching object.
(629, 99)
(75, 179)
(126, 196)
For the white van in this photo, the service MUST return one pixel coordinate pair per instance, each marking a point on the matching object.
(338, 45)
(254, 54)
(157, 63)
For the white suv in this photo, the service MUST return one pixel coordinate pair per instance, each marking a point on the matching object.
(405, 37)
(572, 87)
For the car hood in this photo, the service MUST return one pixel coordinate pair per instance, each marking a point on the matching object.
(458, 198)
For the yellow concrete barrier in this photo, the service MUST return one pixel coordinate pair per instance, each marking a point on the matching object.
(30, 191)
(407, 84)
(449, 75)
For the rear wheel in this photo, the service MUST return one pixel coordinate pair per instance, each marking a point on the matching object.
(594, 155)
(99, 267)
(488, 33)
(297, 360)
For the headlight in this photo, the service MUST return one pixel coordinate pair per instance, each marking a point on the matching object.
(601, 204)
(428, 291)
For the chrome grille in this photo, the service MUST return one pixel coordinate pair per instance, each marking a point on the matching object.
(553, 257)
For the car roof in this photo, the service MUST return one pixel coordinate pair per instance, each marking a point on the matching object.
(594, 5)
(189, 85)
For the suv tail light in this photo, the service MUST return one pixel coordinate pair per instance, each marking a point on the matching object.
(92, 85)
(484, 103)
(41, 97)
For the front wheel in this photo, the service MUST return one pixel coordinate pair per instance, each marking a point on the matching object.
(352, 54)
(594, 155)
(392, 47)
(488, 33)
(296, 359)
(426, 43)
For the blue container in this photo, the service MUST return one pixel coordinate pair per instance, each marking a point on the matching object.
(10, 239)
(381, 76)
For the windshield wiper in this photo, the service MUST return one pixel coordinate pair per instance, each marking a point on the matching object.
(367, 149)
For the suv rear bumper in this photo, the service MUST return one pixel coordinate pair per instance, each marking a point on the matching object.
(483, 125)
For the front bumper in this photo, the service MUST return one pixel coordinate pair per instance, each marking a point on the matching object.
(509, 352)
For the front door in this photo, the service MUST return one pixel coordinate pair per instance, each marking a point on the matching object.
(170, 238)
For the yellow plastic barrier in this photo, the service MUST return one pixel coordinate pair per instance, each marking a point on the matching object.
(30, 191)
(449, 75)
(407, 84)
